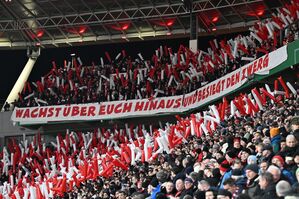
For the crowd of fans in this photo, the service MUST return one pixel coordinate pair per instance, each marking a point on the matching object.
(166, 74)
(244, 156)
(248, 157)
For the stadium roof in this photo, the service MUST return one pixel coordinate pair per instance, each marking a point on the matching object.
(58, 23)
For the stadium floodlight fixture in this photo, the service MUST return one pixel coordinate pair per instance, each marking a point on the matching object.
(33, 52)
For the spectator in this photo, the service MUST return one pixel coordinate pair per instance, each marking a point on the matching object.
(275, 139)
(209, 194)
(202, 188)
(283, 188)
(267, 153)
(267, 185)
(295, 124)
(252, 159)
(224, 194)
(189, 188)
(276, 173)
(295, 186)
(170, 191)
(290, 148)
(279, 162)
(162, 178)
(179, 185)
(263, 167)
(230, 185)
(252, 187)
(238, 177)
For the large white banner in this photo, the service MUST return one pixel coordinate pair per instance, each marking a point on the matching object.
(130, 108)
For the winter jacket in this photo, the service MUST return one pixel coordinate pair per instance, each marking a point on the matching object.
(156, 191)
(252, 188)
(289, 176)
(275, 142)
(268, 193)
(226, 175)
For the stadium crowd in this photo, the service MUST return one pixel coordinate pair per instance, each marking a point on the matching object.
(246, 156)
(252, 154)
(166, 74)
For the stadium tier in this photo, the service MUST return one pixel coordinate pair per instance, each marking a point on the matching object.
(168, 73)
(235, 135)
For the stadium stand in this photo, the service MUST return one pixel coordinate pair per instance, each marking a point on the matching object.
(166, 74)
(248, 153)
(242, 147)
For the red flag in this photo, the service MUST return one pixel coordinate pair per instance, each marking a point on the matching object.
(283, 84)
(117, 163)
(39, 194)
(108, 56)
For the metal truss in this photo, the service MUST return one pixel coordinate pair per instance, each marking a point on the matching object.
(22, 19)
(237, 27)
(116, 15)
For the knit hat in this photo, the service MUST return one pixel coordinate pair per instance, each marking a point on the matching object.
(283, 188)
(188, 180)
(252, 167)
(251, 158)
(231, 154)
(281, 160)
(274, 132)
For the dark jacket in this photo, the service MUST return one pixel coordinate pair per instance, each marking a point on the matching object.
(268, 193)
(252, 188)
(187, 192)
(241, 184)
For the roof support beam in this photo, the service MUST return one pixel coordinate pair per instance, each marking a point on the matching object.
(155, 13)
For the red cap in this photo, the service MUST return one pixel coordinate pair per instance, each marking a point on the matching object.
(279, 158)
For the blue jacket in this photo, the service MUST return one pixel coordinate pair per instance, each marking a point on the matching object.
(226, 175)
(289, 176)
(156, 191)
(275, 142)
